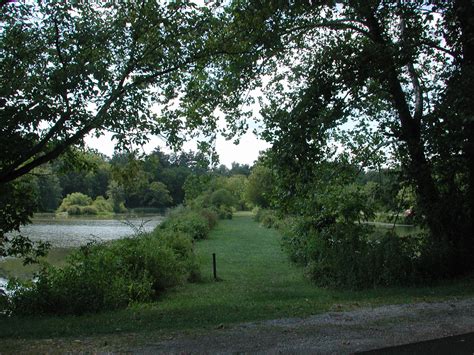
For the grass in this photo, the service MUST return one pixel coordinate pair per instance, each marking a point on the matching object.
(258, 283)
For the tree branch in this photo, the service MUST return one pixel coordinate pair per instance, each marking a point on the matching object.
(63, 117)
(418, 111)
(432, 44)
(342, 24)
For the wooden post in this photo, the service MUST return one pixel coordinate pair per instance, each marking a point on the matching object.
(214, 267)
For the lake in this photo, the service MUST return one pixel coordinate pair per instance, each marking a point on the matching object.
(400, 229)
(67, 232)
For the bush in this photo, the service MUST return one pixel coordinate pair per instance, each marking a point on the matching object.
(90, 282)
(108, 276)
(224, 212)
(74, 210)
(220, 202)
(102, 205)
(78, 203)
(267, 218)
(89, 210)
(222, 198)
(211, 216)
(347, 255)
(187, 221)
(74, 199)
(182, 246)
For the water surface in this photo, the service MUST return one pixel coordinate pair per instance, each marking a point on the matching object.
(67, 232)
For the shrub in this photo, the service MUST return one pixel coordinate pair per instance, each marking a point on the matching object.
(222, 198)
(211, 216)
(89, 210)
(77, 203)
(74, 210)
(182, 246)
(220, 202)
(108, 276)
(88, 283)
(189, 222)
(74, 199)
(102, 205)
(224, 212)
(268, 218)
(347, 255)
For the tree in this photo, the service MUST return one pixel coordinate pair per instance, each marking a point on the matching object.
(260, 186)
(237, 186)
(49, 189)
(74, 199)
(222, 198)
(116, 194)
(239, 169)
(72, 69)
(105, 66)
(157, 195)
(89, 173)
(382, 80)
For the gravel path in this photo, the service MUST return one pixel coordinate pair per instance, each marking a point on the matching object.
(334, 332)
(329, 333)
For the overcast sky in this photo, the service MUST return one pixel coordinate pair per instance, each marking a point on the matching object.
(245, 153)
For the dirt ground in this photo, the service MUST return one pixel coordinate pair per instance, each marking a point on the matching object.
(334, 332)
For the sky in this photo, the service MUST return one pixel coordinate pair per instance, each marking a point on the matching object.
(244, 153)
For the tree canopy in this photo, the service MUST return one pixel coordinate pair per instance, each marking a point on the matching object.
(72, 69)
(365, 84)
(346, 86)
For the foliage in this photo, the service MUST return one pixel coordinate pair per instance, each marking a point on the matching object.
(157, 195)
(89, 69)
(78, 56)
(196, 186)
(342, 255)
(117, 195)
(17, 203)
(87, 172)
(102, 205)
(222, 198)
(222, 194)
(108, 276)
(77, 203)
(187, 221)
(155, 180)
(211, 216)
(276, 288)
(237, 186)
(267, 218)
(49, 191)
(259, 187)
(375, 84)
(75, 198)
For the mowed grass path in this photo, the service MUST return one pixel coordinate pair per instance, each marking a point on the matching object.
(258, 283)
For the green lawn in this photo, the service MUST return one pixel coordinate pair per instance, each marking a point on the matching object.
(258, 282)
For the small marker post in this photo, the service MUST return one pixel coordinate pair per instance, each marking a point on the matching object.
(214, 267)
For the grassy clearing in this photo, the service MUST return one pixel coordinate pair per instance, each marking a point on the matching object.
(258, 283)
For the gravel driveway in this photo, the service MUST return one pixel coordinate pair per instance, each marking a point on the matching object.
(329, 333)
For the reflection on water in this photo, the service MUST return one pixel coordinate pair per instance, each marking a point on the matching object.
(73, 232)
(400, 229)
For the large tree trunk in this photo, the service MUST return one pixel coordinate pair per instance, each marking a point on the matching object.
(464, 10)
(418, 166)
(451, 227)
